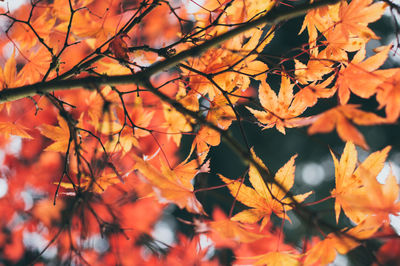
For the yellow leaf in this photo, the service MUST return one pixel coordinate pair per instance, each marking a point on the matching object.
(10, 70)
(101, 183)
(279, 110)
(60, 135)
(169, 185)
(277, 259)
(350, 194)
(234, 230)
(264, 199)
(343, 117)
(9, 128)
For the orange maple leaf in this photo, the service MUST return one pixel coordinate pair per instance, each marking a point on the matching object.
(280, 111)
(264, 199)
(310, 94)
(59, 134)
(354, 17)
(277, 258)
(205, 138)
(35, 68)
(319, 65)
(324, 252)
(172, 184)
(388, 95)
(367, 82)
(378, 200)
(8, 77)
(119, 47)
(342, 118)
(175, 123)
(9, 73)
(46, 212)
(319, 19)
(234, 230)
(10, 128)
(349, 181)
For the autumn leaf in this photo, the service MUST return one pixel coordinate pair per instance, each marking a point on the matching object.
(388, 94)
(388, 252)
(319, 19)
(343, 118)
(175, 123)
(45, 211)
(10, 71)
(8, 77)
(59, 134)
(35, 68)
(354, 17)
(173, 185)
(205, 138)
(119, 47)
(310, 94)
(101, 183)
(325, 251)
(349, 180)
(366, 83)
(316, 68)
(97, 184)
(280, 111)
(378, 200)
(234, 230)
(277, 259)
(264, 199)
(10, 128)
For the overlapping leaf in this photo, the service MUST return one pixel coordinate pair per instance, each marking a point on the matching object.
(265, 199)
(172, 184)
(280, 111)
(354, 186)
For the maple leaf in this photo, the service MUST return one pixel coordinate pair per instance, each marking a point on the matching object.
(43, 25)
(205, 138)
(264, 199)
(337, 45)
(172, 184)
(221, 112)
(319, 19)
(96, 184)
(354, 17)
(280, 111)
(317, 67)
(119, 47)
(45, 211)
(277, 258)
(10, 128)
(388, 95)
(101, 183)
(378, 200)
(35, 68)
(325, 251)
(310, 94)
(342, 117)
(59, 134)
(94, 105)
(234, 230)
(8, 78)
(366, 83)
(349, 180)
(389, 252)
(176, 123)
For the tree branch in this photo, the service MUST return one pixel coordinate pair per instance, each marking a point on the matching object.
(273, 17)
